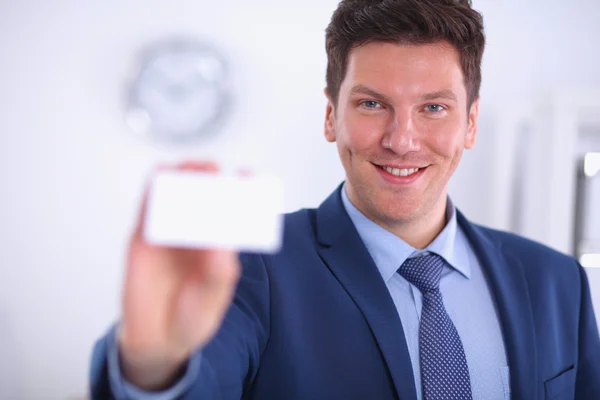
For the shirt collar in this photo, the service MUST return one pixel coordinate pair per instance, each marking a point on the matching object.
(389, 251)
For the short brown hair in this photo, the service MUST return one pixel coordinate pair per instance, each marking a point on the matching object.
(359, 22)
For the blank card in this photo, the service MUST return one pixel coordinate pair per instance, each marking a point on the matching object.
(208, 210)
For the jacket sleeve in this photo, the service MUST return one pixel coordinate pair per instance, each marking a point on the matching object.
(229, 363)
(587, 385)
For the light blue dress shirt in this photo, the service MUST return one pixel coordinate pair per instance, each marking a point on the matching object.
(467, 298)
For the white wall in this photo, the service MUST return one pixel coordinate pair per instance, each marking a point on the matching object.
(71, 172)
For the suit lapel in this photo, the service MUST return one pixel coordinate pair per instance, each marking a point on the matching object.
(348, 259)
(511, 293)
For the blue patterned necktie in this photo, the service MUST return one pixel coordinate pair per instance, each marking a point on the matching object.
(444, 370)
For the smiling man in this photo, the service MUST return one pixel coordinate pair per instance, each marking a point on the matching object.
(386, 291)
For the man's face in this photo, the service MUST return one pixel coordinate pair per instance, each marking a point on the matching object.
(401, 124)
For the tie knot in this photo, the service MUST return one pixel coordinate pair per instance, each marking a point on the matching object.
(424, 272)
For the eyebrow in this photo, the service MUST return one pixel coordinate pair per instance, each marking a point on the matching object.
(440, 94)
(370, 92)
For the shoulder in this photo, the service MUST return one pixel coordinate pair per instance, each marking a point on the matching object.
(522, 245)
(535, 257)
(299, 231)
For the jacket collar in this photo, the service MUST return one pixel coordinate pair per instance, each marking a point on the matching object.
(346, 256)
(508, 284)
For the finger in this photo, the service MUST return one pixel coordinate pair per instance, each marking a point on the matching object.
(213, 268)
(219, 282)
(210, 288)
(224, 267)
(205, 166)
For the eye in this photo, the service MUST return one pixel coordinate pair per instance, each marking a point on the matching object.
(371, 104)
(434, 108)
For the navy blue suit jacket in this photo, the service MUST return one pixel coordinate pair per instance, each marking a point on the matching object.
(316, 321)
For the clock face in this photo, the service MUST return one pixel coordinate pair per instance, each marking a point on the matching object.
(179, 92)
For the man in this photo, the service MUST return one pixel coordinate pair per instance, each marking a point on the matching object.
(386, 291)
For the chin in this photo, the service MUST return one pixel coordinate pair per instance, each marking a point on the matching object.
(394, 212)
(399, 216)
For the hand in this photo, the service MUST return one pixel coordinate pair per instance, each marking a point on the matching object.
(174, 302)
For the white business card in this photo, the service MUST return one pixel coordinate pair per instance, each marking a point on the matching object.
(207, 210)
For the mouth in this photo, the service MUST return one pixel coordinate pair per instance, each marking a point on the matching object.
(401, 171)
(396, 174)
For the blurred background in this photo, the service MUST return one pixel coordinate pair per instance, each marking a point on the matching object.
(72, 170)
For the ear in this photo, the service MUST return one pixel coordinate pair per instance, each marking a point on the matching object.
(329, 119)
(472, 127)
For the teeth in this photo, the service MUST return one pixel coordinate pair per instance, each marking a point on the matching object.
(401, 172)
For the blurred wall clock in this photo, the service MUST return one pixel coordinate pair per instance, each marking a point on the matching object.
(178, 91)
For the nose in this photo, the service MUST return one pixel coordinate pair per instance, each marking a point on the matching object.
(401, 135)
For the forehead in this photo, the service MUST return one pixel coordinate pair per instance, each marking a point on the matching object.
(405, 69)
